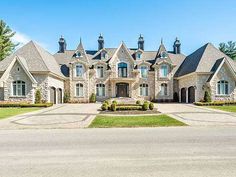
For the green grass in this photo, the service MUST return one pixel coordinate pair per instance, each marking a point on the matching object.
(224, 108)
(8, 112)
(102, 121)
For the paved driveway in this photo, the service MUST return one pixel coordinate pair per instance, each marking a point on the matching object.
(58, 116)
(198, 116)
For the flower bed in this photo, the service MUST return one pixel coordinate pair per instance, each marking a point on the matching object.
(215, 103)
(24, 105)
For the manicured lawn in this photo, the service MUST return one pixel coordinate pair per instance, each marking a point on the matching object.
(8, 112)
(224, 108)
(102, 121)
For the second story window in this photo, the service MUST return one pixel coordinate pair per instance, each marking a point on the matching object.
(79, 70)
(122, 69)
(144, 71)
(18, 88)
(163, 71)
(99, 71)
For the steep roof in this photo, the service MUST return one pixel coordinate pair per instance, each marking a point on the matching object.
(37, 59)
(202, 60)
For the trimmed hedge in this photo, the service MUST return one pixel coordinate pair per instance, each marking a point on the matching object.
(151, 106)
(124, 108)
(215, 103)
(104, 106)
(24, 105)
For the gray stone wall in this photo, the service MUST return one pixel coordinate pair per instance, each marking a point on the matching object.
(42, 85)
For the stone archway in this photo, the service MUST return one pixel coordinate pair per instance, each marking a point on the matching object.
(53, 95)
(191, 94)
(183, 95)
(122, 90)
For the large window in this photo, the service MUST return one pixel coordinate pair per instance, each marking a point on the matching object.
(100, 71)
(164, 89)
(163, 71)
(100, 90)
(79, 90)
(223, 88)
(79, 70)
(144, 89)
(18, 88)
(122, 69)
(144, 71)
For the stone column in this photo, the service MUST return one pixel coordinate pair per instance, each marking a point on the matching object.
(180, 96)
(186, 95)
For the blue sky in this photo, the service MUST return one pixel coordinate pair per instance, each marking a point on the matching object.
(194, 22)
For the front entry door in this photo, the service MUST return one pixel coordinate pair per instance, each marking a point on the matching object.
(122, 90)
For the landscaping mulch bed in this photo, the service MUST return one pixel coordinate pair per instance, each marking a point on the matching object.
(154, 111)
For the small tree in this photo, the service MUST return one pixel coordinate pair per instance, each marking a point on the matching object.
(92, 98)
(66, 97)
(145, 106)
(104, 106)
(113, 107)
(38, 97)
(207, 96)
(151, 106)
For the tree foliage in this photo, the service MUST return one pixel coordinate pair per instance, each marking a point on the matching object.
(6, 45)
(229, 49)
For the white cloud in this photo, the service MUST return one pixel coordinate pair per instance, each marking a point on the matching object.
(20, 38)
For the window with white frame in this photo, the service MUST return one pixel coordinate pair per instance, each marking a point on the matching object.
(222, 87)
(144, 71)
(100, 88)
(164, 70)
(143, 89)
(100, 71)
(79, 70)
(138, 55)
(164, 89)
(18, 88)
(79, 90)
(103, 55)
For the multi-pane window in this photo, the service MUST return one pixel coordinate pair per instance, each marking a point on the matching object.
(164, 89)
(144, 71)
(79, 70)
(144, 89)
(100, 71)
(163, 71)
(223, 88)
(79, 90)
(122, 69)
(103, 55)
(18, 88)
(100, 90)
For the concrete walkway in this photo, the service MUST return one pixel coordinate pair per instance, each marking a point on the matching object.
(58, 116)
(198, 116)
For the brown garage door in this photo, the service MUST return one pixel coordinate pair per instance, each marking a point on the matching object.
(53, 95)
(59, 96)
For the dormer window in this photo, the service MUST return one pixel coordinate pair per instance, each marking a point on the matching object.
(138, 55)
(144, 71)
(77, 54)
(103, 55)
(163, 54)
(164, 71)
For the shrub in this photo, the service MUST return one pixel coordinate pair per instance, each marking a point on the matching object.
(114, 102)
(107, 102)
(138, 102)
(151, 106)
(104, 106)
(66, 97)
(92, 98)
(207, 97)
(113, 107)
(145, 106)
(38, 97)
(127, 108)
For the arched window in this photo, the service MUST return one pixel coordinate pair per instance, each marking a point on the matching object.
(164, 70)
(144, 71)
(138, 55)
(77, 54)
(100, 89)
(144, 89)
(164, 89)
(79, 70)
(79, 90)
(122, 69)
(222, 87)
(18, 88)
(163, 54)
(103, 55)
(99, 71)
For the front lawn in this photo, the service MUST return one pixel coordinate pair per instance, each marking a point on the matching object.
(102, 121)
(8, 112)
(224, 108)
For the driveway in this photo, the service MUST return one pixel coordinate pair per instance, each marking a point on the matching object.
(198, 116)
(58, 116)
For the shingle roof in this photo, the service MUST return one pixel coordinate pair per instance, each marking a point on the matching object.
(37, 59)
(202, 60)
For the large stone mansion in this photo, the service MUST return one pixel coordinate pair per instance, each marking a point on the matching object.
(117, 72)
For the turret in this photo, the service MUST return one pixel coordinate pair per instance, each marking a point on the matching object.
(100, 42)
(176, 46)
(141, 42)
